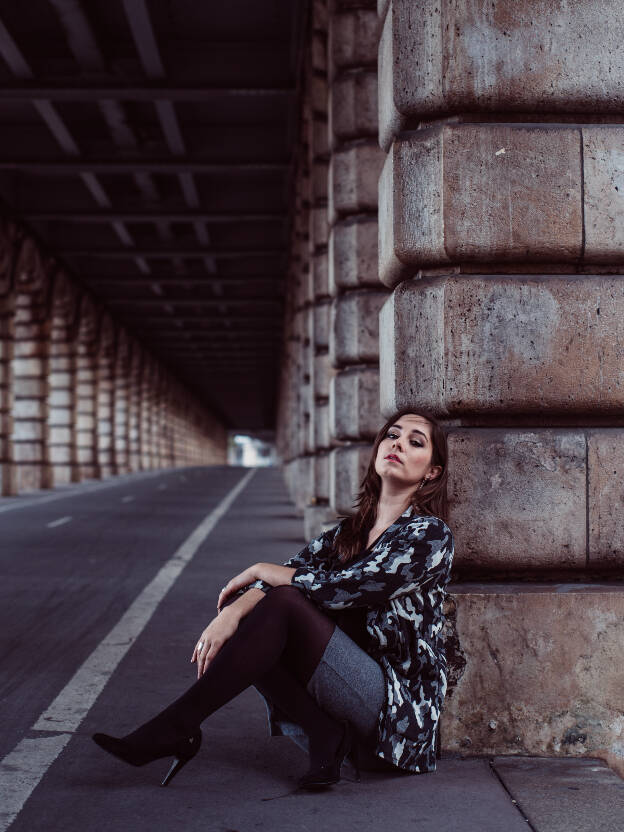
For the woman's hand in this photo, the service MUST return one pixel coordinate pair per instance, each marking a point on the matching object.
(270, 573)
(237, 582)
(213, 638)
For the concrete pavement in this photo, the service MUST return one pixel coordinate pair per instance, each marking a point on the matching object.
(66, 587)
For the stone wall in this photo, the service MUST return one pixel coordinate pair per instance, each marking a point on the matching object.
(494, 296)
(79, 397)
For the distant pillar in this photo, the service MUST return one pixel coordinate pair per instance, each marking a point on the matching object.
(62, 382)
(121, 404)
(29, 436)
(86, 396)
(105, 391)
(8, 253)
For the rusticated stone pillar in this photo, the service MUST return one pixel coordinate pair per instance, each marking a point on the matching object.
(86, 386)
(62, 381)
(357, 292)
(105, 391)
(121, 396)
(8, 253)
(134, 406)
(31, 332)
(501, 237)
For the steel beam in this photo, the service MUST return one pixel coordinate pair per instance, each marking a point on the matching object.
(138, 91)
(65, 167)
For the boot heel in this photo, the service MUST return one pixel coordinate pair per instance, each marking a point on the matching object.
(186, 753)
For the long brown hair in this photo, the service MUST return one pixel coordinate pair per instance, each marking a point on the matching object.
(431, 499)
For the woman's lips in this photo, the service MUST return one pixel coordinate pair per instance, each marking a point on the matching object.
(394, 459)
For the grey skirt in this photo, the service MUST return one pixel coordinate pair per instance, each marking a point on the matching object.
(347, 683)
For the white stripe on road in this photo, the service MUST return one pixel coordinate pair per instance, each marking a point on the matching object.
(60, 522)
(22, 769)
(127, 499)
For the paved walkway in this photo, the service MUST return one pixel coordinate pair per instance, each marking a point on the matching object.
(105, 588)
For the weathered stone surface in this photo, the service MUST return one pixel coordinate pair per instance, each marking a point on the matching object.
(353, 39)
(353, 255)
(354, 327)
(353, 106)
(321, 425)
(461, 344)
(530, 490)
(605, 463)
(603, 178)
(319, 181)
(353, 179)
(316, 518)
(323, 372)
(440, 58)
(321, 475)
(480, 193)
(542, 670)
(318, 227)
(354, 404)
(322, 312)
(347, 467)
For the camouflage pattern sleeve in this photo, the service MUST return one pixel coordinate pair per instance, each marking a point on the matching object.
(415, 554)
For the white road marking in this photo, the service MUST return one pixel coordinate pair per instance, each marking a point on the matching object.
(60, 522)
(22, 769)
(127, 499)
(162, 487)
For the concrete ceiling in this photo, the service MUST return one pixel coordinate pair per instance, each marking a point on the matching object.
(148, 145)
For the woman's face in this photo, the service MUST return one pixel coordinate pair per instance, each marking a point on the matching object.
(404, 454)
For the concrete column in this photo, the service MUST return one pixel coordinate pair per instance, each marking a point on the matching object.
(8, 253)
(147, 461)
(356, 161)
(501, 237)
(31, 332)
(134, 407)
(62, 381)
(86, 389)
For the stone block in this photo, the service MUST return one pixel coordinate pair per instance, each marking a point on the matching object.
(62, 379)
(59, 435)
(321, 426)
(354, 404)
(322, 312)
(29, 478)
(353, 106)
(321, 475)
(27, 367)
(318, 51)
(323, 372)
(353, 179)
(317, 518)
(320, 274)
(28, 409)
(318, 227)
(60, 454)
(319, 181)
(28, 431)
(353, 254)
(605, 464)
(353, 39)
(318, 91)
(28, 450)
(354, 327)
(461, 344)
(59, 397)
(603, 178)
(347, 467)
(480, 193)
(530, 490)
(318, 139)
(535, 669)
(442, 58)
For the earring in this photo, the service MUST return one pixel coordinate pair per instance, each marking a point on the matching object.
(422, 482)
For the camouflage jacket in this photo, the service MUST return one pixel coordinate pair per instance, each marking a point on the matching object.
(401, 581)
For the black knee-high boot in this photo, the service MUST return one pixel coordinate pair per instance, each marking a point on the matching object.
(251, 654)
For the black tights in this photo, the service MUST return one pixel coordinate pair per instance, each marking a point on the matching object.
(277, 647)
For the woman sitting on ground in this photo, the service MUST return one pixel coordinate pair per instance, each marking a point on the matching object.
(345, 639)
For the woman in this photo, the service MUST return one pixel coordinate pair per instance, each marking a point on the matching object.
(341, 640)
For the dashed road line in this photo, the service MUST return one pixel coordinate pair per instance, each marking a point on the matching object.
(127, 499)
(60, 522)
